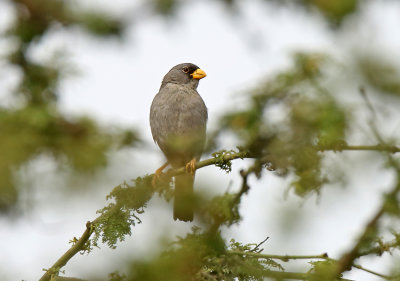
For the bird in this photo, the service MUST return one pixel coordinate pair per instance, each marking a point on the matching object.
(178, 121)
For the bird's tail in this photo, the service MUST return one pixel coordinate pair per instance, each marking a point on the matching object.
(183, 204)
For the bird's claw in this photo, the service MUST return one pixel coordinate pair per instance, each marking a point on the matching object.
(191, 166)
(157, 174)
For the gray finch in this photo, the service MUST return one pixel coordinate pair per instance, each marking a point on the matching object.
(178, 119)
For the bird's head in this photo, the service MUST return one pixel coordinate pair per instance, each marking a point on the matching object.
(187, 74)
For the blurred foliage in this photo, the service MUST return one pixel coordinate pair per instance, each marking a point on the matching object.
(203, 256)
(221, 210)
(314, 118)
(117, 218)
(35, 17)
(312, 121)
(30, 131)
(334, 11)
(322, 270)
(115, 276)
(381, 74)
(128, 201)
(165, 7)
(35, 126)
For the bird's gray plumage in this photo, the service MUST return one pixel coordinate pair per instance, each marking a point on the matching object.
(178, 118)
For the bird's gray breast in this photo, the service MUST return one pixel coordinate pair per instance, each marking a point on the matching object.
(178, 118)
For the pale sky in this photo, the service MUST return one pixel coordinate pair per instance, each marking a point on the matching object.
(116, 83)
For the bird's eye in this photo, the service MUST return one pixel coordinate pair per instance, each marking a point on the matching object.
(185, 69)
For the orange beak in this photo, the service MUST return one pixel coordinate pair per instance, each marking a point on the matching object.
(198, 74)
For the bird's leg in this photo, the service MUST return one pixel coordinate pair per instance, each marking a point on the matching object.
(191, 166)
(157, 174)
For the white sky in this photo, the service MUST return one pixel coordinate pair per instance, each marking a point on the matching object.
(116, 84)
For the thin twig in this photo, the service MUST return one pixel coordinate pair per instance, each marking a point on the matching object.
(256, 248)
(279, 275)
(370, 271)
(286, 258)
(279, 257)
(378, 147)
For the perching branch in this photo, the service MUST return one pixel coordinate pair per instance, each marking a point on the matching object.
(79, 245)
(243, 154)
(220, 160)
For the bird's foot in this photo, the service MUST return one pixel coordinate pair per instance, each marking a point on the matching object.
(157, 174)
(191, 166)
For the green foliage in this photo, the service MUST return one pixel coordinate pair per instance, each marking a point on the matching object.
(34, 18)
(203, 256)
(260, 262)
(220, 161)
(323, 270)
(129, 200)
(391, 205)
(314, 120)
(165, 7)
(34, 130)
(114, 224)
(378, 246)
(181, 260)
(35, 126)
(115, 276)
(334, 10)
(381, 74)
(118, 217)
(100, 24)
(39, 84)
(221, 210)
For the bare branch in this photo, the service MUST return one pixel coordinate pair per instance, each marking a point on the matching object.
(78, 246)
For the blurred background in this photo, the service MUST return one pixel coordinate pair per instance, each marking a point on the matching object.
(76, 83)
